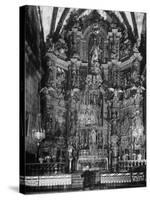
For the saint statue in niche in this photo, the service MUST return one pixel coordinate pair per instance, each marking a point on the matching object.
(93, 141)
(94, 55)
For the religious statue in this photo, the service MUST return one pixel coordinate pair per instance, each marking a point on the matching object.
(95, 55)
(93, 141)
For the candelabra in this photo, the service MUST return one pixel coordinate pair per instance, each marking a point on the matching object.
(38, 135)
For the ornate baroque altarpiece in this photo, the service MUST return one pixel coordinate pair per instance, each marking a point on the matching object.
(82, 99)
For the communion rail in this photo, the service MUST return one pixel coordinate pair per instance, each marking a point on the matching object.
(82, 181)
(54, 177)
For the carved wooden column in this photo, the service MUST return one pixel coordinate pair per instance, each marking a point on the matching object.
(114, 141)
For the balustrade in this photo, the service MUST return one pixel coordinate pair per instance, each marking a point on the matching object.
(131, 165)
(34, 169)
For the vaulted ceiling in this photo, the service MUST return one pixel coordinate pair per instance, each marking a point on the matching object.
(54, 19)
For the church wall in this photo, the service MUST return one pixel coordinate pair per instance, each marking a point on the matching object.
(33, 75)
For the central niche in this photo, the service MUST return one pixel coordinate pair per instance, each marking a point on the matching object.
(95, 53)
